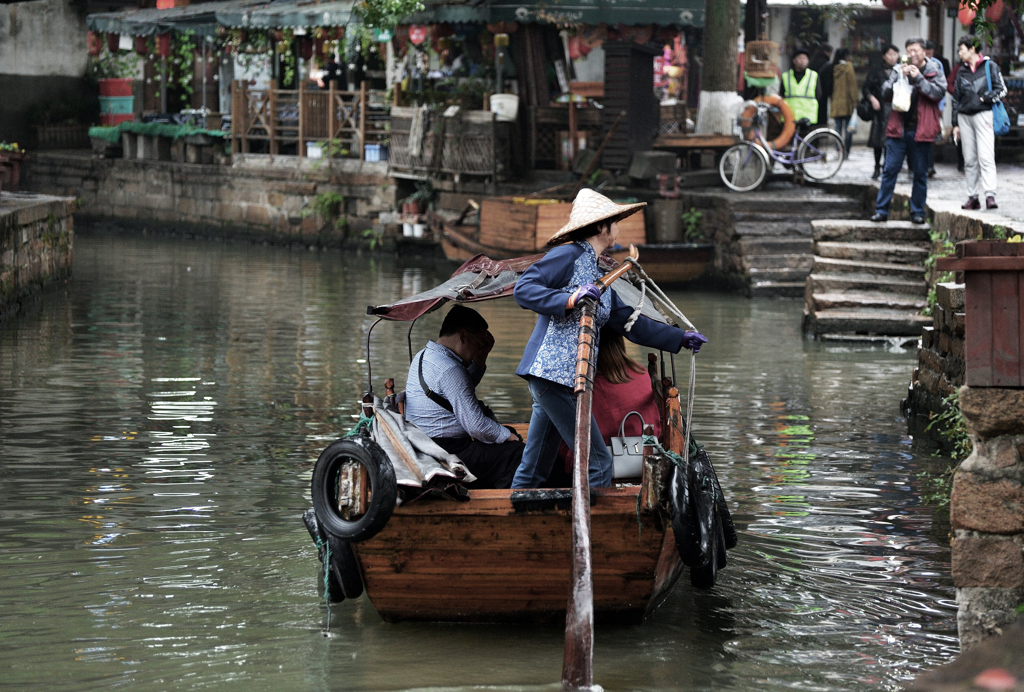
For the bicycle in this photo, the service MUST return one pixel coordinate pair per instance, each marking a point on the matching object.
(745, 166)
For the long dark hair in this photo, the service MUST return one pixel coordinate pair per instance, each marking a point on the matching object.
(612, 362)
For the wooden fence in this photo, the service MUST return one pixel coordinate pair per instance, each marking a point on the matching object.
(282, 117)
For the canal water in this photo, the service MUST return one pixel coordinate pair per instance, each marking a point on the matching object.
(159, 421)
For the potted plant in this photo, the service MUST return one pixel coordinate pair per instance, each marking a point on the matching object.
(417, 202)
(11, 156)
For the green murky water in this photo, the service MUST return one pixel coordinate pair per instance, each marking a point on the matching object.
(158, 425)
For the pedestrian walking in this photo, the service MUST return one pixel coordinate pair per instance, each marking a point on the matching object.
(910, 133)
(880, 106)
(801, 89)
(822, 64)
(979, 84)
(844, 95)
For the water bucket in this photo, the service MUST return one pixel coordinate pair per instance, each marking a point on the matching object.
(505, 106)
(407, 230)
(418, 229)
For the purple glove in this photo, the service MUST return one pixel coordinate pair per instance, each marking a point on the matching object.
(584, 291)
(694, 340)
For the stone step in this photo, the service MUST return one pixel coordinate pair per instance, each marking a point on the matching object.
(826, 282)
(867, 299)
(862, 229)
(833, 265)
(894, 253)
(811, 202)
(776, 289)
(801, 260)
(866, 321)
(760, 275)
(790, 227)
(776, 246)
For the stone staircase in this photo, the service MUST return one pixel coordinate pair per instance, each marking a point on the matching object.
(772, 236)
(867, 279)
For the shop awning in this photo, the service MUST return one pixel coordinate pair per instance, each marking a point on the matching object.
(200, 19)
(288, 13)
(612, 12)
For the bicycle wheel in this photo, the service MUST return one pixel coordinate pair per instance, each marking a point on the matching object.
(821, 154)
(743, 167)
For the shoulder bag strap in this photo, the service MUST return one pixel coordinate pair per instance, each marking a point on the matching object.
(622, 425)
(432, 395)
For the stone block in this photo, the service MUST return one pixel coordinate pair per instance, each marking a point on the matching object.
(980, 504)
(938, 317)
(956, 347)
(945, 342)
(178, 150)
(992, 411)
(933, 360)
(950, 295)
(993, 454)
(984, 612)
(256, 214)
(988, 561)
(958, 324)
(275, 199)
(297, 188)
(927, 337)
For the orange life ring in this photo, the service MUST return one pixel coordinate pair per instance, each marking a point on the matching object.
(788, 124)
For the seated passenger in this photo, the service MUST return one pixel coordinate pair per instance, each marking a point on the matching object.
(440, 399)
(621, 385)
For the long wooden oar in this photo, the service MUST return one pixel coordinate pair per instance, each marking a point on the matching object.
(578, 661)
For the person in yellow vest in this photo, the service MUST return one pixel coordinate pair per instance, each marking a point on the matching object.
(802, 90)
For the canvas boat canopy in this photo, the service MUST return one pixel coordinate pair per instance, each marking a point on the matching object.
(287, 13)
(200, 19)
(482, 278)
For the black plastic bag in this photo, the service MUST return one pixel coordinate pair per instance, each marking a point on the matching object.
(701, 521)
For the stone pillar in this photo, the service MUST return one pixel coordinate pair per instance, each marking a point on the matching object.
(987, 514)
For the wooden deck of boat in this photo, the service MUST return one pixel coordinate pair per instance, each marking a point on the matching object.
(484, 561)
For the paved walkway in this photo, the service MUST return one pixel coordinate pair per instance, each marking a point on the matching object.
(948, 189)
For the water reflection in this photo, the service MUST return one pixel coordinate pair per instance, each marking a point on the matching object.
(158, 426)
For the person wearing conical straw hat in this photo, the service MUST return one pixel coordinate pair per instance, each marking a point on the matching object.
(553, 288)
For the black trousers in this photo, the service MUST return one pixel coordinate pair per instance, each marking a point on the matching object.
(494, 465)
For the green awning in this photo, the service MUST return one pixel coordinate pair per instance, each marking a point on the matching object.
(288, 13)
(611, 12)
(200, 19)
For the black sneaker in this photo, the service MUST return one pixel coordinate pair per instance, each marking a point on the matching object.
(879, 217)
(917, 218)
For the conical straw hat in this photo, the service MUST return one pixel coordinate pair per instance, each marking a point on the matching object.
(590, 207)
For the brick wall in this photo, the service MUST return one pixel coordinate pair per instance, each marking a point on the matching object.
(254, 199)
(987, 514)
(36, 242)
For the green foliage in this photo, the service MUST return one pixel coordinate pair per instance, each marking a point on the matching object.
(113, 65)
(936, 488)
(693, 220)
(386, 14)
(285, 47)
(374, 236)
(941, 247)
(424, 193)
(183, 59)
(328, 205)
(10, 146)
(254, 51)
(950, 424)
(999, 232)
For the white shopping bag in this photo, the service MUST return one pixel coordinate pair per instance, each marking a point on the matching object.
(901, 93)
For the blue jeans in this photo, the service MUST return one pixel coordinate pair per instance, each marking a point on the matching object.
(554, 420)
(896, 149)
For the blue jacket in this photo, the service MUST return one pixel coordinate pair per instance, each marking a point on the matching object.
(545, 288)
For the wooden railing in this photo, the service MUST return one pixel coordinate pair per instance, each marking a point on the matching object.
(297, 116)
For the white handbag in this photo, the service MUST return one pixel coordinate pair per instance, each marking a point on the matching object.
(628, 452)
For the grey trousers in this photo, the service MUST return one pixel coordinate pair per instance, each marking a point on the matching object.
(979, 144)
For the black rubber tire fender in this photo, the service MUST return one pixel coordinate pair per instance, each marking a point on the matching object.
(345, 569)
(335, 594)
(383, 489)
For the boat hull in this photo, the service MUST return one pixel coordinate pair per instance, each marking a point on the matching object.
(672, 263)
(483, 561)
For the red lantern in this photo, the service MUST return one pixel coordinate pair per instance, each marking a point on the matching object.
(163, 45)
(141, 46)
(966, 15)
(95, 44)
(995, 11)
(305, 47)
(112, 42)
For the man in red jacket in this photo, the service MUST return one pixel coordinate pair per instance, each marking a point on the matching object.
(910, 134)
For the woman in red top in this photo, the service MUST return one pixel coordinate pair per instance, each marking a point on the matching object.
(620, 386)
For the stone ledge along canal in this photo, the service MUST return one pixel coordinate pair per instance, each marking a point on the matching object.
(159, 421)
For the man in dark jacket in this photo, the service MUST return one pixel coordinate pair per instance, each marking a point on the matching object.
(822, 64)
(910, 134)
(977, 86)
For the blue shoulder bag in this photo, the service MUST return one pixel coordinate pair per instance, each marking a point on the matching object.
(1000, 119)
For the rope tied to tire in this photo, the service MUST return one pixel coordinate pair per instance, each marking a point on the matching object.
(324, 550)
(363, 426)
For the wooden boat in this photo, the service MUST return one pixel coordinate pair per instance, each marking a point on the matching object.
(512, 226)
(504, 555)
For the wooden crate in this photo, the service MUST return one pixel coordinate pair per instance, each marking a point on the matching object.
(551, 217)
(994, 307)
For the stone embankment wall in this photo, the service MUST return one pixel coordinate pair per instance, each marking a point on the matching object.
(254, 198)
(940, 365)
(36, 242)
(987, 514)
